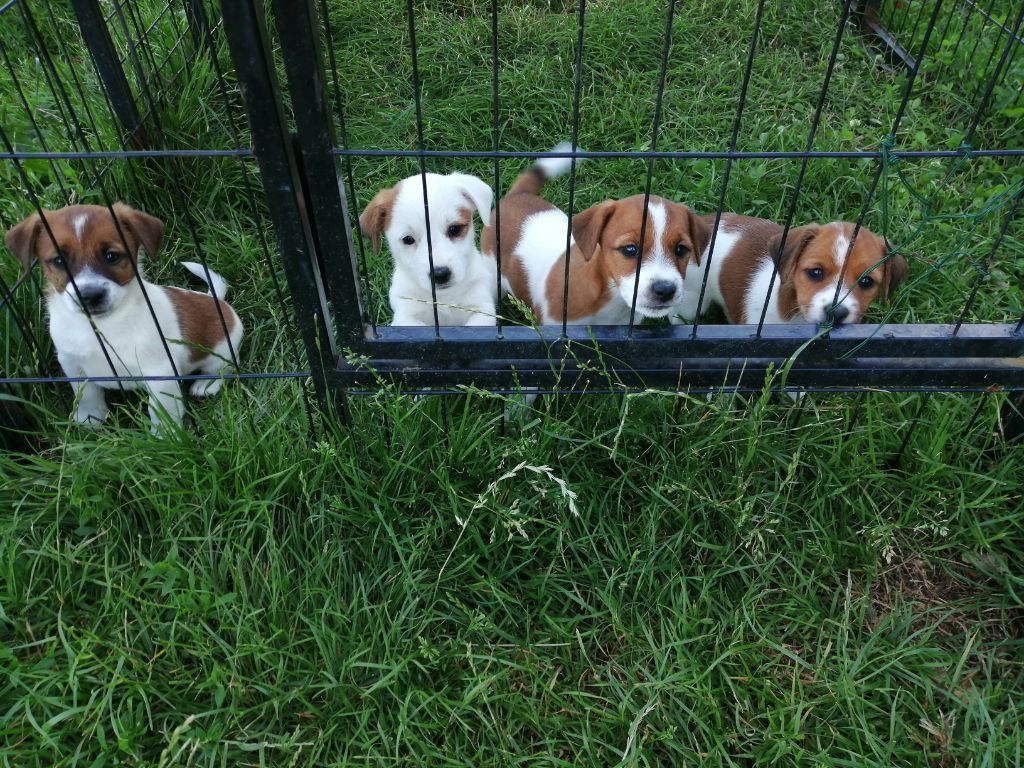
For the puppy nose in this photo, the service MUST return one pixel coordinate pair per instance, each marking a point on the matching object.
(663, 289)
(92, 296)
(839, 314)
(440, 275)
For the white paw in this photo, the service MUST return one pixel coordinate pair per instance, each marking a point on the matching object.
(93, 419)
(206, 387)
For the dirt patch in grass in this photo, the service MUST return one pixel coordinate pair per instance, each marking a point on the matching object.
(953, 596)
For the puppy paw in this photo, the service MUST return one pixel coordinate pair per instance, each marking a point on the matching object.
(89, 418)
(206, 387)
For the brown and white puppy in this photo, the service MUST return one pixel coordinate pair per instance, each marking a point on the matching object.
(90, 264)
(604, 251)
(809, 271)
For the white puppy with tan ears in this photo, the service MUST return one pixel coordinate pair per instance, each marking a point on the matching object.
(96, 290)
(464, 280)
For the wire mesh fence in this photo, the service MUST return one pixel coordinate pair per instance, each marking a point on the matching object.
(133, 102)
(901, 119)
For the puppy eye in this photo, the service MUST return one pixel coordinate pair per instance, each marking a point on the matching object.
(59, 262)
(681, 251)
(409, 240)
(866, 282)
(112, 257)
(456, 230)
(629, 251)
(816, 274)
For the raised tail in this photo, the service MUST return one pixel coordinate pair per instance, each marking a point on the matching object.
(533, 178)
(218, 285)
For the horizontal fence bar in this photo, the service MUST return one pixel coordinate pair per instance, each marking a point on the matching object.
(615, 343)
(964, 374)
(868, 154)
(141, 379)
(125, 154)
(624, 389)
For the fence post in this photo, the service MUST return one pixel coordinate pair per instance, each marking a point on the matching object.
(299, 31)
(251, 53)
(110, 70)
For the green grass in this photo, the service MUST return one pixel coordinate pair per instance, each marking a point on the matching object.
(643, 579)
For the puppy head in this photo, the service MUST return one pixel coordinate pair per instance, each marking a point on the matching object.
(812, 262)
(610, 233)
(397, 213)
(87, 262)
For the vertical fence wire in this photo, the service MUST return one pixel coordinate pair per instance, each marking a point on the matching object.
(421, 145)
(733, 139)
(574, 141)
(809, 145)
(176, 186)
(655, 126)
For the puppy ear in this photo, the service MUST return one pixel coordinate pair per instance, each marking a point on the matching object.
(374, 220)
(588, 225)
(479, 193)
(796, 240)
(700, 233)
(147, 230)
(894, 271)
(22, 237)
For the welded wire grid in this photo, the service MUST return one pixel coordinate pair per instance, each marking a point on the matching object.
(145, 58)
(121, 101)
(935, 42)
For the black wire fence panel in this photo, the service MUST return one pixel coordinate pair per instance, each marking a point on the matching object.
(134, 102)
(259, 131)
(862, 113)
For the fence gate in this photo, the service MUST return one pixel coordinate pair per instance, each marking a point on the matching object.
(313, 185)
(308, 182)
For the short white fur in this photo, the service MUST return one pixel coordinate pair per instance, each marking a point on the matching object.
(470, 295)
(134, 346)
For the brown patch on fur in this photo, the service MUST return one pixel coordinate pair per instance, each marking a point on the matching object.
(199, 320)
(463, 219)
(738, 269)
(529, 182)
(795, 289)
(587, 291)
(515, 207)
(374, 220)
(866, 259)
(99, 234)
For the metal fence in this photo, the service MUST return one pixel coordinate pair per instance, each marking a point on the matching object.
(276, 87)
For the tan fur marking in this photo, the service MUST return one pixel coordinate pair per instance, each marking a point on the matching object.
(200, 323)
(374, 220)
(30, 239)
(515, 209)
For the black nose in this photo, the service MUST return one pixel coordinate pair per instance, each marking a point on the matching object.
(440, 275)
(663, 289)
(92, 296)
(839, 314)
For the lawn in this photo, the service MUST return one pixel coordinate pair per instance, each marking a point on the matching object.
(644, 578)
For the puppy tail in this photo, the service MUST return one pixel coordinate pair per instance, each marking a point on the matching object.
(533, 178)
(218, 285)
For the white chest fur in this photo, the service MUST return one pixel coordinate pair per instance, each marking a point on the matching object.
(131, 343)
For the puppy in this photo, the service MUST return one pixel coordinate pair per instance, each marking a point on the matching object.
(809, 270)
(604, 250)
(464, 281)
(91, 274)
